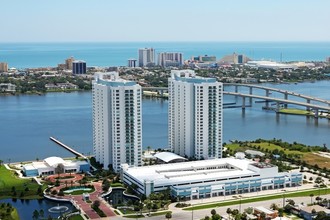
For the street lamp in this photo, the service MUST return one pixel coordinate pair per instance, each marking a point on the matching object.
(240, 203)
(283, 197)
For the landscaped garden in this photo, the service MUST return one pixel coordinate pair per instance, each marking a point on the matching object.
(8, 212)
(13, 187)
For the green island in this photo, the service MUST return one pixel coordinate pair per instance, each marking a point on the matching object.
(293, 111)
(312, 157)
(8, 212)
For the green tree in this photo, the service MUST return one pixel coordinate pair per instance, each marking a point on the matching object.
(35, 214)
(41, 213)
(168, 215)
(213, 212)
(216, 217)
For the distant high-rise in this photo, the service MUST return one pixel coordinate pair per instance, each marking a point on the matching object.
(68, 63)
(132, 63)
(327, 59)
(78, 67)
(170, 59)
(117, 121)
(3, 67)
(195, 115)
(146, 57)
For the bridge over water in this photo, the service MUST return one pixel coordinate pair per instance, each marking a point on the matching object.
(311, 103)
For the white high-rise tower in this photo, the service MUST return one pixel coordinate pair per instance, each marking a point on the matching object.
(146, 57)
(117, 123)
(195, 115)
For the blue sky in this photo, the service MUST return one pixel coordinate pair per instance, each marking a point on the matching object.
(164, 20)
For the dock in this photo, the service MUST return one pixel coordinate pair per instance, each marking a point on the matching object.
(68, 148)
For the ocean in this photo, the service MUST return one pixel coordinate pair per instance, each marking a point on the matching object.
(28, 55)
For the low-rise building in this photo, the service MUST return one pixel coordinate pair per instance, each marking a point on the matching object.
(209, 178)
(7, 87)
(60, 86)
(309, 212)
(55, 165)
(269, 214)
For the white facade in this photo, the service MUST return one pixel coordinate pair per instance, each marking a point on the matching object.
(168, 59)
(195, 115)
(117, 122)
(146, 57)
(209, 178)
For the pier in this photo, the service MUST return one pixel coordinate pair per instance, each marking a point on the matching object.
(68, 148)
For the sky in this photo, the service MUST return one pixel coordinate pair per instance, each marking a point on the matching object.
(164, 20)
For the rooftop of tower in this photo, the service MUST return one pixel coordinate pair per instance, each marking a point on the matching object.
(189, 76)
(112, 79)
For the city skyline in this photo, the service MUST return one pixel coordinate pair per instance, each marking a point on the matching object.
(137, 21)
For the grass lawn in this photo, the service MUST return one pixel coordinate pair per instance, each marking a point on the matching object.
(24, 188)
(117, 185)
(76, 217)
(312, 159)
(159, 213)
(322, 191)
(272, 147)
(79, 192)
(133, 216)
(127, 211)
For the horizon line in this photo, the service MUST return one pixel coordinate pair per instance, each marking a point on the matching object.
(171, 41)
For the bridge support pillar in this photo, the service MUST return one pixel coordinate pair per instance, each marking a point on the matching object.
(236, 89)
(250, 99)
(286, 98)
(277, 107)
(308, 101)
(243, 103)
(162, 93)
(316, 115)
(267, 95)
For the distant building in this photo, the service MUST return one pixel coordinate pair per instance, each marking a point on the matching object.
(132, 63)
(117, 121)
(68, 63)
(79, 67)
(7, 87)
(204, 58)
(264, 64)
(3, 67)
(195, 115)
(327, 59)
(170, 59)
(146, 57)
(234, 59)
(55, 165)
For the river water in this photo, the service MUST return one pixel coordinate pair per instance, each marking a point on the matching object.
(27, 122)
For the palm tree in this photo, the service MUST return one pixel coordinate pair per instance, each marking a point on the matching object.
(274, 206)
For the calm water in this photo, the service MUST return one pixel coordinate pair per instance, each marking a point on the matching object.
(27, 122)
(23, 55)
(26, 208)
